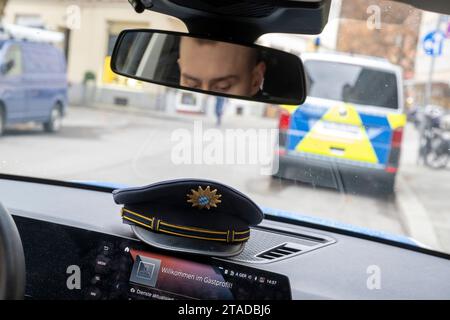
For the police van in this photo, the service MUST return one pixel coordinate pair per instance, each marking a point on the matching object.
(351, 126)
(33, 79)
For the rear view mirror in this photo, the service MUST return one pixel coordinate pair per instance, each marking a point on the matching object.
(187, 62)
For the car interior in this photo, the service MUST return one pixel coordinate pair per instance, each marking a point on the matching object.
(52, 231)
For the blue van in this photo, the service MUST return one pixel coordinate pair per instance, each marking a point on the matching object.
(33, 84)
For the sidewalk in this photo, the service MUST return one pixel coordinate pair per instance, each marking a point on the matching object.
(229, 121)
(423, 197)
(173, 116)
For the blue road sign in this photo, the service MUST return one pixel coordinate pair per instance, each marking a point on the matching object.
(433, 43)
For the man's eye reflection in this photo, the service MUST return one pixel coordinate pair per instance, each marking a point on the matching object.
(214, 85)
(220, 67)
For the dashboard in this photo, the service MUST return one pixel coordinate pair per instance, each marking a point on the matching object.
(112, 267)
(76, 247)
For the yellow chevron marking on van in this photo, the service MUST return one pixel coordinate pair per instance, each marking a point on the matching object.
(396, 120)
(354, 146)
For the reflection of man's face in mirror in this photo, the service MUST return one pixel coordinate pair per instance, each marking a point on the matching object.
(220, 67)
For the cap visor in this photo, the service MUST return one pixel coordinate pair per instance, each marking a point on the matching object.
(187, 245)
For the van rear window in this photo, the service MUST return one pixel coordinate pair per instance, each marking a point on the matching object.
(352, 83)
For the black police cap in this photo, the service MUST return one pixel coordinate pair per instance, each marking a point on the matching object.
(190, 215)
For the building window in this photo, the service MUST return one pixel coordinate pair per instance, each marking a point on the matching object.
(29, 20)
(109, 77)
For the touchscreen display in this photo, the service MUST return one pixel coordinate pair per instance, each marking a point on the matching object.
(111, 267)
(158, 276)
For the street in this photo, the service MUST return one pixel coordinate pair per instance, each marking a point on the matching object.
(134, 148)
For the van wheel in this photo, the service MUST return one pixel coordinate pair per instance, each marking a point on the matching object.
(55, 122)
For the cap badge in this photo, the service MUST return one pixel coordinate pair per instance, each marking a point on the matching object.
(204, 198)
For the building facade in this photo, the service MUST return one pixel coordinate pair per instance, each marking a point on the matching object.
(90, 28)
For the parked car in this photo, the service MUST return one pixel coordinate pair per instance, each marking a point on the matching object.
(344, 132)
(33, 84)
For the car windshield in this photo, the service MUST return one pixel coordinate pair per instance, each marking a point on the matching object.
(368, 151)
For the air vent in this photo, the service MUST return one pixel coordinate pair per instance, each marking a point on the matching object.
(286, 249)
(269, 244)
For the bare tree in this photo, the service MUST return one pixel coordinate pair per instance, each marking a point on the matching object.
(396, 39)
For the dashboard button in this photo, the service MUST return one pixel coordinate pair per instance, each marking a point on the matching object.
(102, 264)
(106, 248)
(124, 246)
(97, 279)
(94, 294)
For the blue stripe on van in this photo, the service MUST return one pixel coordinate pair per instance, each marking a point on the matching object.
(379, 132)
(303, 119)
